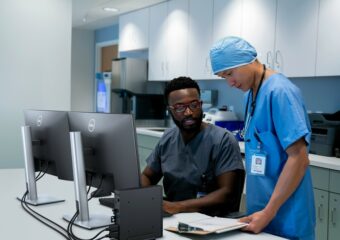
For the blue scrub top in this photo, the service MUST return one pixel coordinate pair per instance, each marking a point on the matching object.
(280, 119)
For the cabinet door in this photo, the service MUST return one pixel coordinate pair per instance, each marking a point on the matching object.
(157, 41)
(320, 177)
(334, 181)
(200, 39)
(144, 153)
(321, 207)
(328, 49)
(227, 18)
(334, 217)
(259, 17)
(177, 39)
(134, 30)
(296, 33)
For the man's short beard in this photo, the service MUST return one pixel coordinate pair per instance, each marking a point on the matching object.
(192, 129)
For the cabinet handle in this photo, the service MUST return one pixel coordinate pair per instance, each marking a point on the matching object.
(167, 67)
(320, 215)
(162, 68)
(277, 63)
(333, 216)
(206, 65)
(269, 59)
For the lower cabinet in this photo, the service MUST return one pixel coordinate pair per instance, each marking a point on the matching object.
(321, 208)
(327, 203)
(146, 144)
(334, 216)
(143, 154)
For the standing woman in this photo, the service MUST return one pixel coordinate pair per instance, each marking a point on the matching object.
(277, 135)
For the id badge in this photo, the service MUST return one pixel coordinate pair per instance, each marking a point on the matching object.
(258, 163)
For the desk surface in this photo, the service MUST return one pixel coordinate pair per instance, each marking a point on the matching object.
(17, 224)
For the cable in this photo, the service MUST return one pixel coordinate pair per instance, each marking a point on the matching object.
(71, 222)
(62, 231)
(99, 186)
(27, 208)
(31, 212)
(38, 177)
(73, 236)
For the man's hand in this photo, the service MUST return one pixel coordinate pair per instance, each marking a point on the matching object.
(172, 207)
(257, 221)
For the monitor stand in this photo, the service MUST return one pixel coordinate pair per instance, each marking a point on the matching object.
(84, 219)
(32, 197)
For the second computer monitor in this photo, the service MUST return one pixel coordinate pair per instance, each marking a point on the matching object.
(110, 149)
(51, 142)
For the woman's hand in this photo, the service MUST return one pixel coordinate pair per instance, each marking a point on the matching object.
(257, 221)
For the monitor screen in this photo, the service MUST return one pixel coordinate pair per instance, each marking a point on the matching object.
(50, 142)
(110, 149)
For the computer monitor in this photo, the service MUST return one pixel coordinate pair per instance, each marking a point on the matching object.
(47, 147)
(110, 155)
(110, 148)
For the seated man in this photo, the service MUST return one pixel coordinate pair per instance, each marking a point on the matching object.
(200, 163)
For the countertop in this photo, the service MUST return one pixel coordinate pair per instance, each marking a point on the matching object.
(315, 160)
(17, 224)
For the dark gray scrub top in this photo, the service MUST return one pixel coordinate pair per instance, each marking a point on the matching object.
(212, 152)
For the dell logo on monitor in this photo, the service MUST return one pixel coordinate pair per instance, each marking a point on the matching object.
(92, 125)
(39, 120)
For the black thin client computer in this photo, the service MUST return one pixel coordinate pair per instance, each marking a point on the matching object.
(46, 145)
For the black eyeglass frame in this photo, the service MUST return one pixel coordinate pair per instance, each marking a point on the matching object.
(177, 107)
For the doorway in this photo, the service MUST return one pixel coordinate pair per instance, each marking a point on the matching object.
(105, 52)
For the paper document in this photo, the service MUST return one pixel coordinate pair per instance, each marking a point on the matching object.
(197, 223)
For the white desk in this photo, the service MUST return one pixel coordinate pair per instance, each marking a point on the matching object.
(15, 223)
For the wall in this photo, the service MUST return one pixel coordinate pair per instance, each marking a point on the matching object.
(82, 70)
(35, 61)
(109, 33)
(319, 93)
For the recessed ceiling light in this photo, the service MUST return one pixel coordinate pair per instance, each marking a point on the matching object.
(109, 9)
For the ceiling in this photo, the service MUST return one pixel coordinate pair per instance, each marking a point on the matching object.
(89, 14)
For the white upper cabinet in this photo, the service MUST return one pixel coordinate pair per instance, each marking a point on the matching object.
(259, 27)
(328, 60)
(200, 39)
(178, 24)
(157, 42)
(227, 18)
(296, 36)
(134, 30)
(284, 32)
(168, 40)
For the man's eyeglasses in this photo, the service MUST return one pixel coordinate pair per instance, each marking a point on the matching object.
(181, 107)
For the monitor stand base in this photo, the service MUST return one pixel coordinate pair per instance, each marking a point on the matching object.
(42, 200)
(95, 221)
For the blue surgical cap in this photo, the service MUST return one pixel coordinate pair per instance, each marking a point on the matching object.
(231, 52)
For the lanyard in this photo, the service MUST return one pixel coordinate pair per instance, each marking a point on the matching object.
(248, 115)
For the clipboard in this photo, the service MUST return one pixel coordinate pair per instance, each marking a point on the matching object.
(201, 224)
